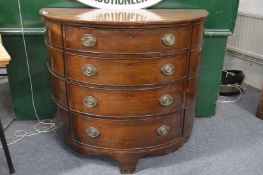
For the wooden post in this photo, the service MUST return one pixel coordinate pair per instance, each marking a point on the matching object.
(4, 56)
(260, 106)
(4, 60)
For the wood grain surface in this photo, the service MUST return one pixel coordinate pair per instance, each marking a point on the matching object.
(4, 56)
(157, 16)
(134, 71)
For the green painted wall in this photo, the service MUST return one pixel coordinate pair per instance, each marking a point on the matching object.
(19, 80)
(220, 23)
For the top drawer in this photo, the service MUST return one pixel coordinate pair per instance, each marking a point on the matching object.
(127, 40)
(53, 34)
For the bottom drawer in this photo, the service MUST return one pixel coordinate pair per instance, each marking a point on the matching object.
(126, 134)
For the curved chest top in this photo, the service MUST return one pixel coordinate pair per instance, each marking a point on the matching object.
(123, 17)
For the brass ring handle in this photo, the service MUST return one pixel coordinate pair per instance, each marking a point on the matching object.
(88, 40)
(168, 69)
(168, 39)
(90, 101)
(89, 70)
(93, 132)
(163, 130)
(166, 100)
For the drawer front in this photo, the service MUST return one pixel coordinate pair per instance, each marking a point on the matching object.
(127, 40)
(189, 117)
(62, 122)
(127, 72)
(197, 34)
(194, 62)
(53, 34)
(56, 61)
(126, 134)
(58, 87)
(122, 103)
(192, 89)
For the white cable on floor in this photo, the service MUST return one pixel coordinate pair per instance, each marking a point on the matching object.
(43, 126)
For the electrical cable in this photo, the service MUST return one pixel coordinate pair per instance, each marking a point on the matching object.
(42, 126)
(240, 88)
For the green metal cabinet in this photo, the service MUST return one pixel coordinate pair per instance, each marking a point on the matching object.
(220, 23)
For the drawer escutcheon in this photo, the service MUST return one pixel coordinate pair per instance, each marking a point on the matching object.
(89, 70)
(90, 101)
(163, 130)
(168, 69)
(88, 40)
(166, 100)
(169, 39)
(93, 132)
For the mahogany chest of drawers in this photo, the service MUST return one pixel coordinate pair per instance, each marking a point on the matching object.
(124, 82)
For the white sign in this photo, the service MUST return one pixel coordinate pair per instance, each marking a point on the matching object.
(120, 4)
(126, 15)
